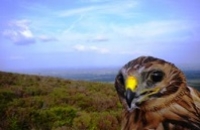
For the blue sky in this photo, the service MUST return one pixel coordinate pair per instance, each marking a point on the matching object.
(97, 33)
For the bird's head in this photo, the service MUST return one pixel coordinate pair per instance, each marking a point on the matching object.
(146, 79)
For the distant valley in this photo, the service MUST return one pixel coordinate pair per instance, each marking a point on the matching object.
(104, 74)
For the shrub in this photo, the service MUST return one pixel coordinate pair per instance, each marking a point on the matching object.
(37, 103)
(54, 117)
(82, 121)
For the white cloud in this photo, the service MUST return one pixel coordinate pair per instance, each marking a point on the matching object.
(96, 30)
(46, 38)
(83, 48)
(77, 11)
(98, 49)
(19, 32)
(152, 29)
(119, 8)
(80, 48)
(98, 38)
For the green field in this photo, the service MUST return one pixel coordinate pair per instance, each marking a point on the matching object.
(45, 103)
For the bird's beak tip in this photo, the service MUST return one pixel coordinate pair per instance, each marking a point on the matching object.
(129, 97)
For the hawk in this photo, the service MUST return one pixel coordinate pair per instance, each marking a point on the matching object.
(155, 96)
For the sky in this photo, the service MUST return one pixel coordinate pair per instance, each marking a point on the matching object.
(37, 34)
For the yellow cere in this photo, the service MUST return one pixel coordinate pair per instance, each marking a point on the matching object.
(131, 83)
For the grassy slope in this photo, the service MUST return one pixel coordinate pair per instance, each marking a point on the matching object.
(46, 103)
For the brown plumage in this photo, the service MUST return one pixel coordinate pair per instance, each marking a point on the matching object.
(156, 97)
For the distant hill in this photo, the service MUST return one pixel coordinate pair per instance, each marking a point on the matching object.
(193, 78)
(104, 74)
(36, 102)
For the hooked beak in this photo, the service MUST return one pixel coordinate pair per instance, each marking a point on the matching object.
(129, 97)
(131, 85)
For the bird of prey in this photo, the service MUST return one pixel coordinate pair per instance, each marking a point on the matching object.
(155, 96)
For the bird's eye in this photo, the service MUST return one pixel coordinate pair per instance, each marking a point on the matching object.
(121, 78)
(157, 76)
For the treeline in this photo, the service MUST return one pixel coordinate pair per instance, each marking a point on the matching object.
(30, 102)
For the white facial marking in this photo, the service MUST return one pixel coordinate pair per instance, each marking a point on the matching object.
(140, 69)
(133, 106)
(136, 66)
(163, 90)
(123, 71)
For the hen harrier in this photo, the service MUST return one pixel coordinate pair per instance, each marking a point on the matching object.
(155, 96)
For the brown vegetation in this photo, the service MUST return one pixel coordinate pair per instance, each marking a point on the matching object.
(46, 103)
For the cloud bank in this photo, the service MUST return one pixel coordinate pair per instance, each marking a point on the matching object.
(19, 33)
(84, 48)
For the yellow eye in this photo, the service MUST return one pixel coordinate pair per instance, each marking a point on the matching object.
(131, 83)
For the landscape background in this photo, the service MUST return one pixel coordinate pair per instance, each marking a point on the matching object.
(64, 100)
(79, 46)
(103, 74)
